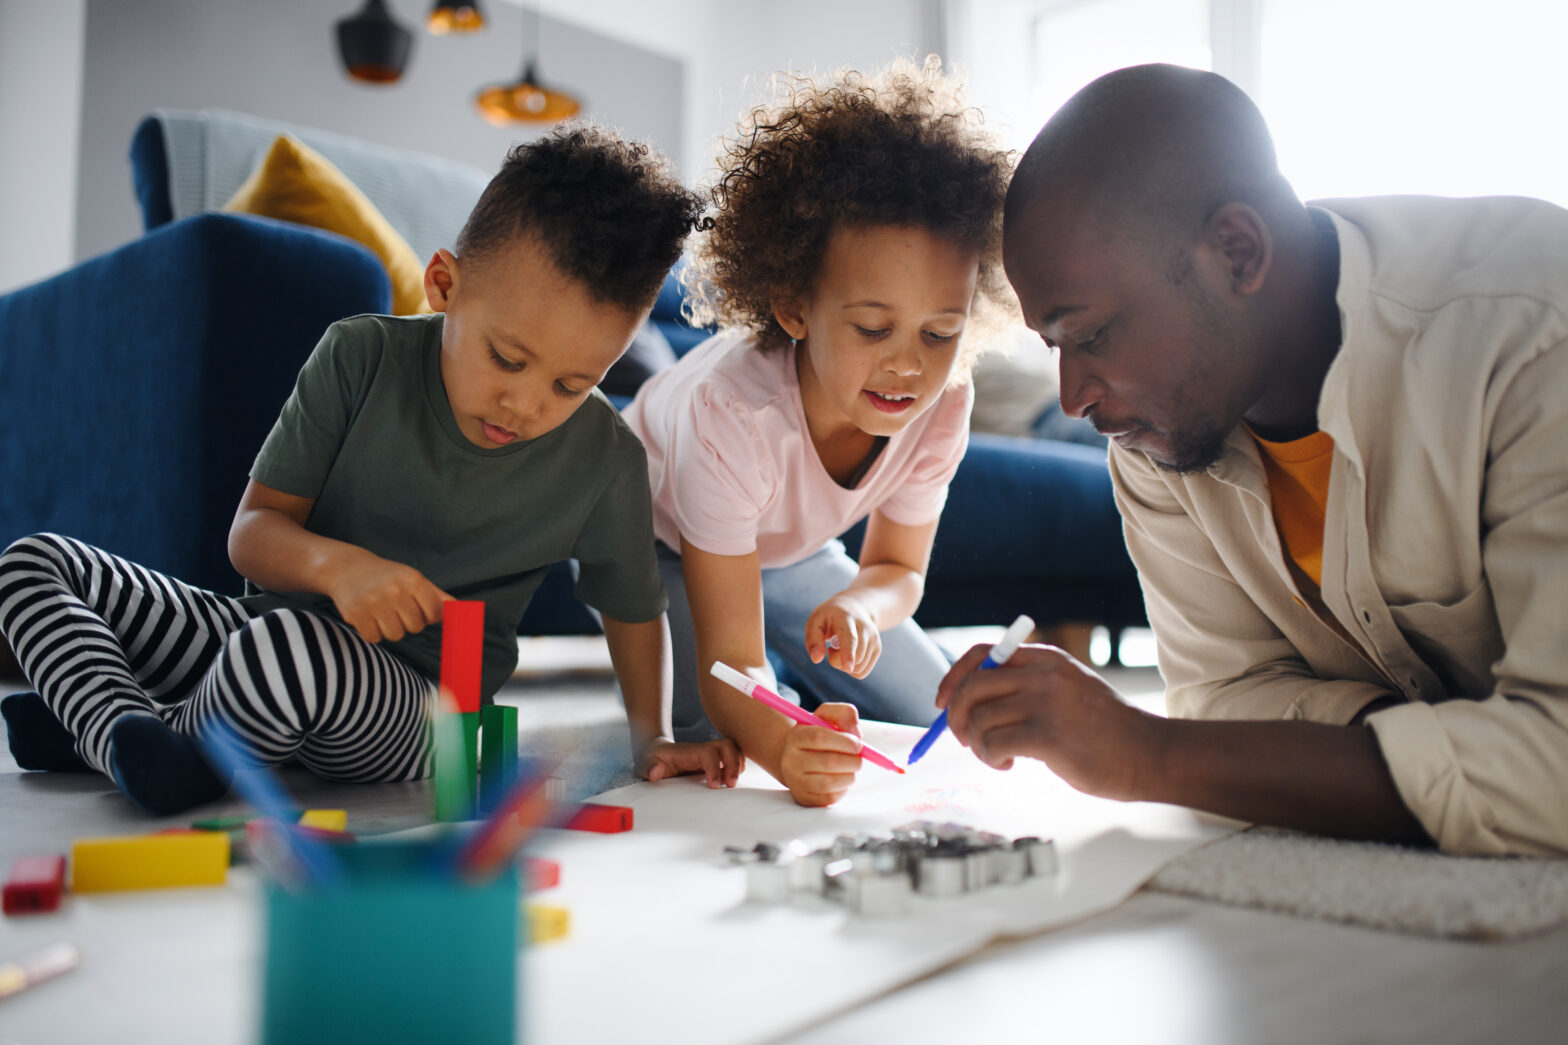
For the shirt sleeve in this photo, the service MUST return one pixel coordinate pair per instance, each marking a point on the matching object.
(723, 473)
(304, 442)
(921, 498)
(618, 571)
(1220, 655)
(1489, 775)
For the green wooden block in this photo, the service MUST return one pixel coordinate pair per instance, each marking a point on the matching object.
(457, 764)
(497, 756)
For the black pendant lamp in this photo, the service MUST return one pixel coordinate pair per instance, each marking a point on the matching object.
(374, 47)
(455, 16)
(526, 100)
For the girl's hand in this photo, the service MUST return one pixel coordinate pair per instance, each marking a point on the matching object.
(381, 599)
(719, 761)
(846, 619)
(819, 764)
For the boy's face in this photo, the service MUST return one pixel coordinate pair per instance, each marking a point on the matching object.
(523, 343)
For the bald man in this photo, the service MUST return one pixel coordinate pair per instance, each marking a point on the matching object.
(1340, 450)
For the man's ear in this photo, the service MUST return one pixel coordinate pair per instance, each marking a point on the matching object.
(791, 314)
(1239, 234)
(440, 279)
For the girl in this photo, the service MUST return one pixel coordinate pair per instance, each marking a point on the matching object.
(856, 224)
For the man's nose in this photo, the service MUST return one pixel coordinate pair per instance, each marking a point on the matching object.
(1080, 389)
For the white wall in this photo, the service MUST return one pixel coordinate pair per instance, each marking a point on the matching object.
(279, 60)
(101, 64)
(40, 109)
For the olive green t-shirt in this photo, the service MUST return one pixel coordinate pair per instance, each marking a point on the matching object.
(369, 435)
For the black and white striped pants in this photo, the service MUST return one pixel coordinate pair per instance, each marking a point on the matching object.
(100, 637)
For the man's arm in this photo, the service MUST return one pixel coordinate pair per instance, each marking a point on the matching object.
(1306, 775)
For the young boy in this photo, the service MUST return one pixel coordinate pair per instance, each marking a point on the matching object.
(419, 459)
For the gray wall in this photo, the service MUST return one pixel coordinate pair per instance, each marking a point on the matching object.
(278, 59)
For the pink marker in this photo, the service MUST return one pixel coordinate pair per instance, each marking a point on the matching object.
(757, 691)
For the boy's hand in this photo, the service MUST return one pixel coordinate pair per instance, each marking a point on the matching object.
(847, 619)
(1045, 705)
(819, 764)
(381, 599)
(719, 761)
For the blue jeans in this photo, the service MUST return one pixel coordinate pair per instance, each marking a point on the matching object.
(901, 688)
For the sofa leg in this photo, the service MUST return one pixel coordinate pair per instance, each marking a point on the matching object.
(1072, 637)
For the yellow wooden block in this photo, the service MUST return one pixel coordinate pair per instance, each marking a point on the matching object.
(325, 819)
(100, 865)
(546, 923)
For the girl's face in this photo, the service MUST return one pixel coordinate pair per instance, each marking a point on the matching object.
(523, 343)
(879, 331)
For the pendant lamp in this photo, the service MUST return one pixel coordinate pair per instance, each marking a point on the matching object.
(526, 100)
(374, 47)
(455, 16)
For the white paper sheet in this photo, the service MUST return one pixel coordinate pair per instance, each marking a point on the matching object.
(662, 946)
(661, 923)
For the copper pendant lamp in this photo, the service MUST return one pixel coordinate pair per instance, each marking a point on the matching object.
(455, 16)
(373, 46)
(526, 100)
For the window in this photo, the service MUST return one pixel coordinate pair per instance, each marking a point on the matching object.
(1448, 97)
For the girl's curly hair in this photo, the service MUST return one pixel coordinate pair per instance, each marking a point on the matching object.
(611, 212)
(897, 147)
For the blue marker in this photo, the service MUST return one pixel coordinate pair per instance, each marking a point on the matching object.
(1015, 634)
(257, 786)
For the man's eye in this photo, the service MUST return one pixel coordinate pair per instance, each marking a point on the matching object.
(504, 363)
(872, 334)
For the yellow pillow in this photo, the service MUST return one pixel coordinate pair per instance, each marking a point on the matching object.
(296, 183)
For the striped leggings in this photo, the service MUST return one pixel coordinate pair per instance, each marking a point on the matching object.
(100, 637)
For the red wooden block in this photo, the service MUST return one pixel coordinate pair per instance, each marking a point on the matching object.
(462, 650)
(35, 884)
(542, 873)
(604, 819)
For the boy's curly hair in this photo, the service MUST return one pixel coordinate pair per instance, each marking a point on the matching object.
(612, 213)
(897, 147)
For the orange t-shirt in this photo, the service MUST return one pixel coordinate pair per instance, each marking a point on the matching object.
(1298, 488)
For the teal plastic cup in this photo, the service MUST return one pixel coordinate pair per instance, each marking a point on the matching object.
(403, 952)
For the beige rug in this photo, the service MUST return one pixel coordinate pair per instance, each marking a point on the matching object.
(1379, 886)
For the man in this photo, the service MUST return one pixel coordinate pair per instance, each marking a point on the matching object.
(1340, 450)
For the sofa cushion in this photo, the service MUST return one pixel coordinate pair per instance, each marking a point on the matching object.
(209, 152)
(296, 183)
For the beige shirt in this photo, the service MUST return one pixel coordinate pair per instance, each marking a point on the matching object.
(1445, 547)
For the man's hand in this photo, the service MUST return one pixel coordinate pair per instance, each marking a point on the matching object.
(381, 599)
(819, 764)
(719, 761)
(1045, 705)
(850, 621)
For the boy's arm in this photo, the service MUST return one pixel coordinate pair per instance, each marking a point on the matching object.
(269, 544)
(885, 593)
(1306, 775)
(725, 593)
(640, 653)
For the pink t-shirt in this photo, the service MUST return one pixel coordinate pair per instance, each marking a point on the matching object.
(732, 466)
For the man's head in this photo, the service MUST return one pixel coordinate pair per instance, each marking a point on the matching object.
(553, 273)
(1140, 233)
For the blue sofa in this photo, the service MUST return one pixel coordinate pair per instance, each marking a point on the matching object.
(139, 384)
